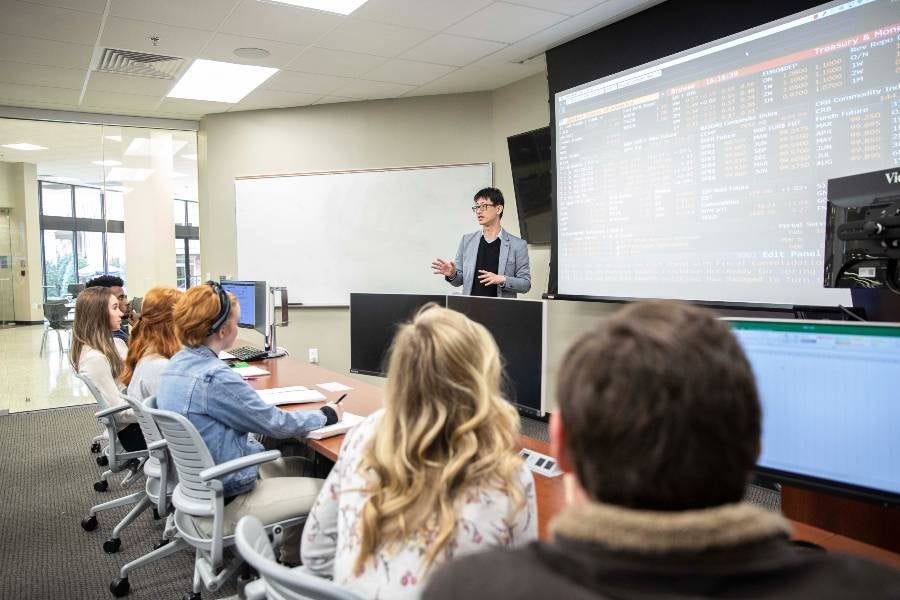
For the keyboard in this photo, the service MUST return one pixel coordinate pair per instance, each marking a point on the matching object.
(248, 353)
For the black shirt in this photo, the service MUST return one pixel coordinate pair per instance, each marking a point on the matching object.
(488, 260)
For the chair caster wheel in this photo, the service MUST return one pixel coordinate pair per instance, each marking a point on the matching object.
(102, 461)
(160, 544)
(156, 515)
(191, 596)
(119, 587)
(101, 486)
(95, 448)
(89, 523)
(111, 546)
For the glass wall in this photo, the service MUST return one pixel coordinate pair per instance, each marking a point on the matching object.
(187, 243)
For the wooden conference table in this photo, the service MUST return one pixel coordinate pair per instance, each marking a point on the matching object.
(364, 399)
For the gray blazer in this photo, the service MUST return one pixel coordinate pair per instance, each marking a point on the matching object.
(513, 264)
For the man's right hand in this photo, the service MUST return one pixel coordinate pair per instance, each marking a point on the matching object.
(444, 267)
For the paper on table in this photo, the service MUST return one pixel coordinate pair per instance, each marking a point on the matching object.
(333, 386)
(290, 395)
(224, 355)
(343, 426)
(246, 372)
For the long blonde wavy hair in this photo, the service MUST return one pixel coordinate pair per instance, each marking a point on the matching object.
(445, 428)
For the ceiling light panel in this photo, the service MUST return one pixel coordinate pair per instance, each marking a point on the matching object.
(341, 7)
(28, 147)
(142, 146)
(215, 81)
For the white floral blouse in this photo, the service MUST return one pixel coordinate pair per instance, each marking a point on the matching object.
(331, 543)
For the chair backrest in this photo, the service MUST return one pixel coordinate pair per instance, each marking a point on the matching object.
(55, 312)
(148, 425)
(101, 401)
(190, 455)
(75, 289)
(281, 582)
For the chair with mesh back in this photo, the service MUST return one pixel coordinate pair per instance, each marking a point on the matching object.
(73, 289)
(277, 582)
(200, 496)
(55, 313)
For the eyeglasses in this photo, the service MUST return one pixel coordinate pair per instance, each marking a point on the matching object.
(479, 207)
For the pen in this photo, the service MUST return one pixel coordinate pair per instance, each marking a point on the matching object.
(338, 401)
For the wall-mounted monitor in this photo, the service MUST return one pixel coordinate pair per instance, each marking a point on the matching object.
(828, 393)
(374, 319)
(519, 328)
(251, 296)
(530, 160)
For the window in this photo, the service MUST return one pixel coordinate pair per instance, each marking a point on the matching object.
(187, 243)
(80, 242)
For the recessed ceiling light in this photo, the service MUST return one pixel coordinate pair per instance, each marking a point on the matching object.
(114, 138)
(106, 163)
(24, 146)
(216, 81)
(189, 156)
(251, 52)
(141, 146)
(341, 7)
(127, 174)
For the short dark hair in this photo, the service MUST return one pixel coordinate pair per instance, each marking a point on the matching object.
(105, 281)
(492, 194)
(660, 409)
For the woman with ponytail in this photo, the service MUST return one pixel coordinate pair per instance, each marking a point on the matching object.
(434, 475)
(153, 343)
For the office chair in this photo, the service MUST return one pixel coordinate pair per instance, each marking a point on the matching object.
(55, 312)
(199, 497)
(277, 582)
(73, 289)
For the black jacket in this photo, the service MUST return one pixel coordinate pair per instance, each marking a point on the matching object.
(736, 551)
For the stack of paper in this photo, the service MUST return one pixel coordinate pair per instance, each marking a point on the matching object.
(247, 372)
(347, 423)
(296, 394)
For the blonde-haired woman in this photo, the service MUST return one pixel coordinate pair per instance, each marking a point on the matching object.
(433, 475)
(96, 355)
(153, 343)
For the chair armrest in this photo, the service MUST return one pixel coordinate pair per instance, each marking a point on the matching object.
(237, 464)
(111, 410)
(157, 445)
(255, 590)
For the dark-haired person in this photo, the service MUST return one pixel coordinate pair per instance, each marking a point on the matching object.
(117, 285)
(490, 261)
(225, 409)
(659, 426)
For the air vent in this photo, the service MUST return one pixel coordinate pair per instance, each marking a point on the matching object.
(127, 62)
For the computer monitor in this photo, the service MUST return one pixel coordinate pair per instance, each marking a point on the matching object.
(519, 327)
(374, 319)
(251, 296)
(829, 401)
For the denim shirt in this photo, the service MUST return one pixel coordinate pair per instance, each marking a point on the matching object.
(224, 409)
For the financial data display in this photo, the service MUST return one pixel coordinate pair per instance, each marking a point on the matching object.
(703, 175)
(829, 400)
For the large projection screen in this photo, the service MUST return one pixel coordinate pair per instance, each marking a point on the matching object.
(702, 176)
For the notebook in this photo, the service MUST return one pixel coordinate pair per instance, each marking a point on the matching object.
(296, 394)
(348, 422)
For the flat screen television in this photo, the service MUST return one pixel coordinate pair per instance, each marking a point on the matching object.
(530, 159)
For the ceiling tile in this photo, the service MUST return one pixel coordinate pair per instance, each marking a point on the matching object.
(452, 50)
(91, 6)
(49, 23)
(128, 34)
(372, 38)
(567, 7)
(279, 22)
(433, 15)
(112, 100)
(334, 62)
(222, 47)
(477, 77)
(45, 52)
(274, 99)
(196, 14)
(31, 95)
(18, 73)
(502, 22)
(335, 100)
(370, 90)
(130, 84)
(408, 71)
(308, 83)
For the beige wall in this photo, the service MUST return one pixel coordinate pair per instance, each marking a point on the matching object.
(18, 191)
(461, 128)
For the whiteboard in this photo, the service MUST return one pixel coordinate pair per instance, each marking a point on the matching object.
(324, 235)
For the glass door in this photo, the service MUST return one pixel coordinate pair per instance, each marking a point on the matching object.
(7, 300)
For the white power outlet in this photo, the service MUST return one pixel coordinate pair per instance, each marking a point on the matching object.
(314, 356)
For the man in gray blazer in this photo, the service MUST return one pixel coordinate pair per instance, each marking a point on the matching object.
(490, 262)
